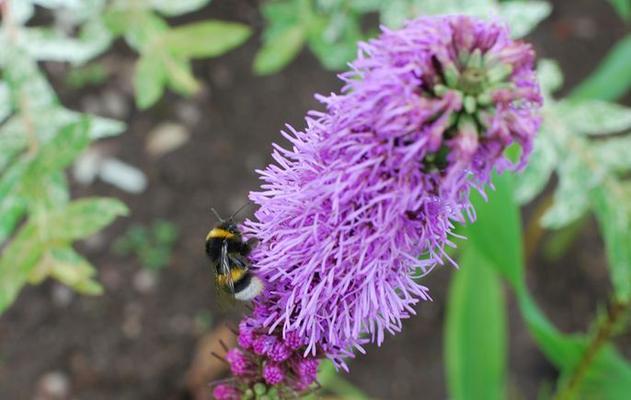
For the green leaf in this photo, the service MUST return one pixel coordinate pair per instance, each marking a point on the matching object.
(29, 87)
(50, 44)
(205, 39)
(82, 218)
(612, 77)
(62, 150)
(20, 11)
(17, 261)
(278, 51)
(543, 160)
(180, 76)
(5, 102)
(12, 141)
(172, 8)
(549, 75)
(287, 24)
(331, 380)
(100, 127)
(394, 13)
(12, 205)
(475, 331)
(49, 191)
(613, 153)
(524, 16)
(593, 117)
(496, 233)
(117, 20)
(76, 221)
(149, 80)
(52, 4)
(334, 41)
(615, 225)
(571, 198)
(364, 6)
(142, 29)
(68, 267)
(623, 7)
(37, 181)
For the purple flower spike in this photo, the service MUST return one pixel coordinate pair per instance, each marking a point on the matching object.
(366, 198)
(364, 201)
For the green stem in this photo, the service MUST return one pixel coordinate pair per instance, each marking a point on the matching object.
(331, 381)
(603, 334)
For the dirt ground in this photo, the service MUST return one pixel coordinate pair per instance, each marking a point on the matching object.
(137, 341)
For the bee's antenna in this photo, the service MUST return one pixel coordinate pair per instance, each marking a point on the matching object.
(239, 210)
(217, 214)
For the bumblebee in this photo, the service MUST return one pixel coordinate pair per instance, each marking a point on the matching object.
(228, 253)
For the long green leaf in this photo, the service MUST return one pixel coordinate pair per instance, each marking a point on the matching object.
(496, 233)
(609, 376)
(331, 381)
(475, 332)
(623, 7)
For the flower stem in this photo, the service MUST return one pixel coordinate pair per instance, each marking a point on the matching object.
(603, 334)
(534, 231)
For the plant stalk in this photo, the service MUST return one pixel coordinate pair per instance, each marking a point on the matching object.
(603, 334)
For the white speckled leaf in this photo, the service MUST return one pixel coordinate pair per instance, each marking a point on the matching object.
(524, 16)
(571, 198)
(594, 117)
(542, 162)
(549, 75)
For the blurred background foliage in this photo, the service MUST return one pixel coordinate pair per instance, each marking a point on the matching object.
(583, 147)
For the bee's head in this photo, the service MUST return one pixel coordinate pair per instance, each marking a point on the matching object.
(229, 224)
(231, 227)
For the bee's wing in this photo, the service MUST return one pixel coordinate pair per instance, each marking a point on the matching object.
(225, 266)
(239, 261)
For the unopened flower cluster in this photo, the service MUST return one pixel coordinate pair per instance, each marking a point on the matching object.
(267, 364)
(366, 198)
